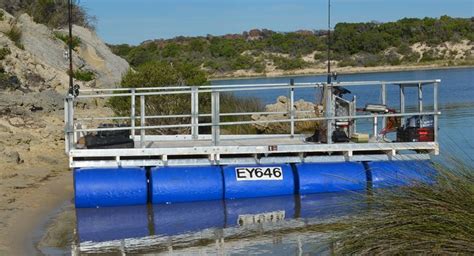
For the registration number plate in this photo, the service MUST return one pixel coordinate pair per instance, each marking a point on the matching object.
(258, 173)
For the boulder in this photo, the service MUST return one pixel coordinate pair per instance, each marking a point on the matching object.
(282, 105)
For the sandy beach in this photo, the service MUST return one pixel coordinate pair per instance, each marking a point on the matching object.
(343, 70)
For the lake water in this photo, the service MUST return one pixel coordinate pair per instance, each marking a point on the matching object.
(456, 101)
(291, 225)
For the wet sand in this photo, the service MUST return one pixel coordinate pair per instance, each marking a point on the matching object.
(32, 210)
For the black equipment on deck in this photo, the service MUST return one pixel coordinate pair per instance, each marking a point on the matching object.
(109, 139)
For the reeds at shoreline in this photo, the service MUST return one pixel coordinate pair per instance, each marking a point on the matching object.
(421, 219)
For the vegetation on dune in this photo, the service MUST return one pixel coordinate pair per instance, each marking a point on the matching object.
(424, 219)
(354, 44)
(52, 13)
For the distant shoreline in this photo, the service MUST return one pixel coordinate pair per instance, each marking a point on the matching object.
(340, 71)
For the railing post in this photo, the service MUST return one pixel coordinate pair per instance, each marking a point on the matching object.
(375, 127)
(354, 111)
(328, 112)
(384, 102)
(142, 121)
(132, 113)
(195, 113)
(435, 109)
(215, 109)
(420, 98)
(402, 102)
(292, 107)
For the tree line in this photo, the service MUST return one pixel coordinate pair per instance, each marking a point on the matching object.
(368, 41)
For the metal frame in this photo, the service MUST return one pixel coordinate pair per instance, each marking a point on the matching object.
(216, 148)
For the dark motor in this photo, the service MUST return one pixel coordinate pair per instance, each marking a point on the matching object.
(417, 129)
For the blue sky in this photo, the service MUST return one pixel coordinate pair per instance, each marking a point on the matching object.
(134, 21)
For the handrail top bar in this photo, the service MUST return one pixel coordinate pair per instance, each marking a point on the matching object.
(230, 86)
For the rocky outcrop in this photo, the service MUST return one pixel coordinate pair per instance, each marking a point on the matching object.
(33, 82)
(42, 63)
(283, 105)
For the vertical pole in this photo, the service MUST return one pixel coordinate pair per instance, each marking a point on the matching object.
(420, 98)
(329, 42)
(215, 117)
(66, 126)
(329, 112)
(384, 102)
(69, 119)
(132, 113)
(194, 112)
(292, 107)
(435, 109)
(142, 121)
(375, 127)
(402, 102)
(71, 71)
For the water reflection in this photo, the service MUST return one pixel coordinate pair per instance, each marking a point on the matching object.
(232, 224)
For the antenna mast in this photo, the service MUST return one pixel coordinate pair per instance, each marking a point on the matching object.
(71, 74)
(329, 41)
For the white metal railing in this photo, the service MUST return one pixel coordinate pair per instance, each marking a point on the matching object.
(215, 115)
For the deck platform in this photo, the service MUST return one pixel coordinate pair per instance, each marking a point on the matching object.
(257, 150)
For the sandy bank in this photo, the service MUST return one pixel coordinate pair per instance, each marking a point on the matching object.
(343, 70)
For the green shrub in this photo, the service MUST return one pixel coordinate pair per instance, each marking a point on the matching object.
(347, 62)
(76, 41)
(411, 58)
(242, 62)
(320, 56)
(2, 15)
(289, 63)
(259, 66)
(85, 76)
(163, 74)
(4, 52)
(53, 13)
(429, 55)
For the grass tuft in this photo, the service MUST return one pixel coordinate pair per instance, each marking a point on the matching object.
(421, 219)
(85, 75)
(76, 41)
(15, 34)
(4, 52)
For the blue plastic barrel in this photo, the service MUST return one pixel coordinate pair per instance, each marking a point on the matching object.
(331, 177)
(186, 184)
(332, 205)
(247, 181)
(181, 218)
(252, 211)
(400, 173)
(112, 223)
(95, 187)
